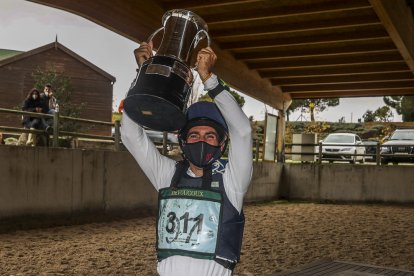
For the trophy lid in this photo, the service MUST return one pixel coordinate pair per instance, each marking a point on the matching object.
(187, 15)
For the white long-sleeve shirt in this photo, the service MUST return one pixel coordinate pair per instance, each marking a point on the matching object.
(160, 169)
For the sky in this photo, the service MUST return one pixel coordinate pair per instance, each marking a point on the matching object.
(25, 26)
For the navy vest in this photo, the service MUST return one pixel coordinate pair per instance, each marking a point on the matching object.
(232, 223)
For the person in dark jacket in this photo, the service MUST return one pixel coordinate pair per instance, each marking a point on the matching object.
(33, 103)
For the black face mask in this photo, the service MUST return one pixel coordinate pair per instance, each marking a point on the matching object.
(201, 154)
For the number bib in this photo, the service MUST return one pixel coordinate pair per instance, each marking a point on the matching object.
(188, 222)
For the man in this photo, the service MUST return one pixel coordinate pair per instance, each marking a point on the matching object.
(200, 220)
(50, 103)
(51, 99)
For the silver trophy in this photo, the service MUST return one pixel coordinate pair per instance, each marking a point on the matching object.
(158, 98)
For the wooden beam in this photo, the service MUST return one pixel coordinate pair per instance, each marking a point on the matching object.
(274, 11)
(347, 69)
(249, 82)
(137, 21)
(397, 18)
(131, 19)
(307, 39)
(358, 78)
(206, 4)
(355, 93)
(348, 86)
(295, 31)
(253, 8)
(312, 61)
(292, 26)
(315, 45)
(313, 50)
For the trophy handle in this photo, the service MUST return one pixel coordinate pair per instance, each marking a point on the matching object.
(197, 38)
(154, 34)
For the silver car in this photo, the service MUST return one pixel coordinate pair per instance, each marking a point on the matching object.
(343, 147)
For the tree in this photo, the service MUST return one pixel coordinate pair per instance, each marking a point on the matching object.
(62, 90)
(407, 109)
(296, 104)
(369, 116)
(381, 114)
(313, 105)
(403, 105)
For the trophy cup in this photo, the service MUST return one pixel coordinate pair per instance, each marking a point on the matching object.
(158, 97)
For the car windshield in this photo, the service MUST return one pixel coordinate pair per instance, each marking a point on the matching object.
(403, 135)
(339, 139)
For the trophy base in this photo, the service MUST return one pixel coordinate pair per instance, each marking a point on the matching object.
(154, 112)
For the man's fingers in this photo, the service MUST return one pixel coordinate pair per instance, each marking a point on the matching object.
(143, 53)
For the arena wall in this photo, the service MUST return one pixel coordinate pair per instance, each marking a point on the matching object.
(348, 183)
(50, 181)
(55, 181)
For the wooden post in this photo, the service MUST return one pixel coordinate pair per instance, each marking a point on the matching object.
(117, 135)
(55, 130)
(281, 127)
(320, 153)
(378, 154)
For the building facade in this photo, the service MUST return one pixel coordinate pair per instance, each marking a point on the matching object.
(92, 87)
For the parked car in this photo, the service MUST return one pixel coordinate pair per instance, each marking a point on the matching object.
(340, 146)
(371, 149)
(398, 147)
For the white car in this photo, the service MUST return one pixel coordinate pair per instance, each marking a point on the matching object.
(340, 146)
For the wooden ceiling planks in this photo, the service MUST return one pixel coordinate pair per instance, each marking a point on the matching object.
(305, 48)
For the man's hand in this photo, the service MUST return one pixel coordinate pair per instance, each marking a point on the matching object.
(143, 53)
(206, 59)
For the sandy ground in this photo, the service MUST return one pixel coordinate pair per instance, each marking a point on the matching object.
(278, 236)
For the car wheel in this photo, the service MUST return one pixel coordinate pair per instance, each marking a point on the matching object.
(385, 162)
(395, 163)
(362, 161)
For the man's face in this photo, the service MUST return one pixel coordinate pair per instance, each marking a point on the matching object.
(47, 89)
(203, 133)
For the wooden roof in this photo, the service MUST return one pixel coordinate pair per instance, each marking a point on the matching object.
(278, 50)
(21, 55)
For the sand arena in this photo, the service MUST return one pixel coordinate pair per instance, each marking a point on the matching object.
(278, 236)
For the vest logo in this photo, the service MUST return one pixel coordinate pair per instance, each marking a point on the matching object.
(187, 193)
(215, 184)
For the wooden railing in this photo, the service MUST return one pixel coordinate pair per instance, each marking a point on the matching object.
(116, 138)
(56, 133)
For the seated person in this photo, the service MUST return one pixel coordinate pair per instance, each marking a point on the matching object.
(50, 103)
(33, 103)
(51, 99)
